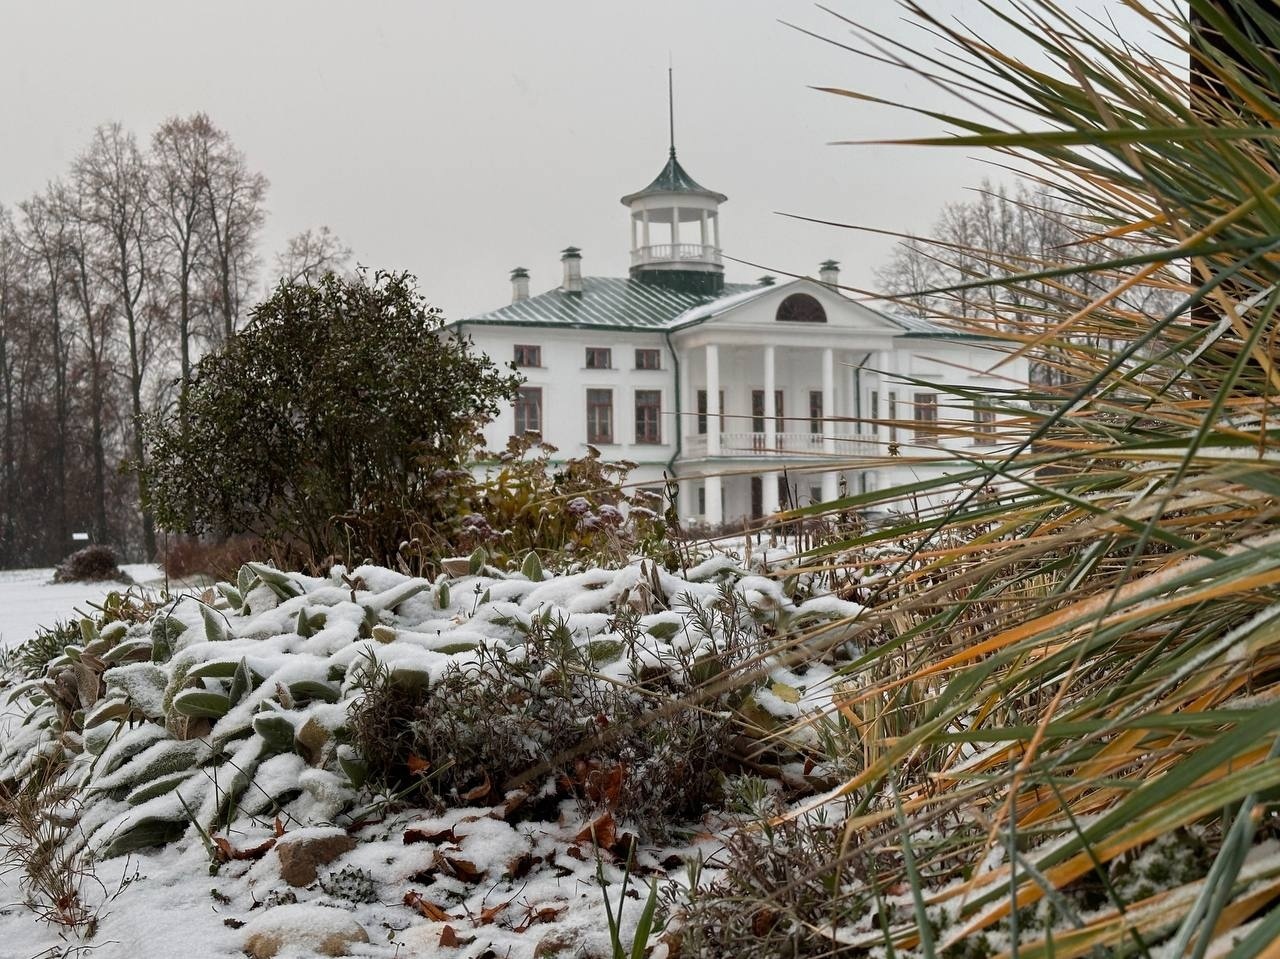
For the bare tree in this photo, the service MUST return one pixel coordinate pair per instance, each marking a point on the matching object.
(112, 180)
(11, 266)
(311, 254)
(45, 237)
(971, 269)
(180, 151)
(234, 197)
(96, 332)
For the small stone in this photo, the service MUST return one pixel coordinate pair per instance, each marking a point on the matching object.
(301, 854)
(555, 944)
(303, 928)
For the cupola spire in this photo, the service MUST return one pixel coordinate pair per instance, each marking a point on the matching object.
(675, 224)
(671, 109)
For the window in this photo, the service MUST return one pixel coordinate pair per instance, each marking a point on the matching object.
(893, 417)
(648, 359)
(528, 407)
(702, 500)
(757, 411)
(874, 426)
(926, 417)
(984, 425)
(800, 308)
(815, 411)
(599, 358)
(648, 416)
(599, 416)
(702, 412)
(527, 355)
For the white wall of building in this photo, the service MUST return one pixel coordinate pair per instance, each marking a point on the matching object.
(871, 360)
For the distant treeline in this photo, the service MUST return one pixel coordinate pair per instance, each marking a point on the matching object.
(113, 281)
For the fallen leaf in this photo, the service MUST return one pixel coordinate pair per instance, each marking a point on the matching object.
(417, 765)
(543, 915)
(449, 939)
(763, 921)
(227, 852)
(515, 799)
(479, 792)
(279, 827)
(518, 867)
(601, 832)
(425, 906)
(412, 836)
(459, 867)
(493, 912)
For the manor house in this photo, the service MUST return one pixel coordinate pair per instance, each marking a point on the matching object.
(754, 397)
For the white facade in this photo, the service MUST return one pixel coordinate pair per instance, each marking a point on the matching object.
(822, 396)
(856, 373)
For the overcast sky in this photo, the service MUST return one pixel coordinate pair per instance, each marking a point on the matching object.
(460, 139)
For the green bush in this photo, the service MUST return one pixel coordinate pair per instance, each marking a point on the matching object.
(329, 426)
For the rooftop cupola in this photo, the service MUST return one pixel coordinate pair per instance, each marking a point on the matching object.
(675, 228)
(829, 273)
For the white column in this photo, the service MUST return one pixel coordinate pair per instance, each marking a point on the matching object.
(829, 478)
(644, 217)
(715, 222)
(688, 401)
(714, 514)
(769, 481)
(703, 233)
(675, 230)
(633, 234)
(713, 400)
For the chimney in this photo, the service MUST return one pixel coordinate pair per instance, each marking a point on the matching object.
(519, 284)
(767, 280)
(571, 257)
(829, 273)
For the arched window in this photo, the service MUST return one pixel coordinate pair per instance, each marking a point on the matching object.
(801, 308)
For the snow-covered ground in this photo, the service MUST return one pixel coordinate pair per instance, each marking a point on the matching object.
(29, 598)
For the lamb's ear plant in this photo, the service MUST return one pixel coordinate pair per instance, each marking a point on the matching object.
(1083, 622)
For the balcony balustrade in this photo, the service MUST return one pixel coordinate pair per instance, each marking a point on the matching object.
(785, 444)
(672, 252)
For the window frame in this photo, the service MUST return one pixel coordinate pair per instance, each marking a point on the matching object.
(652, 351)
(925, 435)
(520, 407)
(594, 405)
(985, 428)
(595, 353)
(817, 422)
(517, 355)
(645, 437)
(704, 415)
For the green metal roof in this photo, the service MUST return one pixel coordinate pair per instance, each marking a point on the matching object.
(674, 179)
(605, 302)
(622, 303)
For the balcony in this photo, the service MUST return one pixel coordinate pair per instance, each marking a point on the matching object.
(785, 444)
(674, 253)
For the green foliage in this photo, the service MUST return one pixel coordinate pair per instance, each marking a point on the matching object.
(328, 425)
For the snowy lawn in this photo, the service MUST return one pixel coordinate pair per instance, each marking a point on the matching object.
(29, 598)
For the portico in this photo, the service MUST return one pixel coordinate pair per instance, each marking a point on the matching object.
(751, 397)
